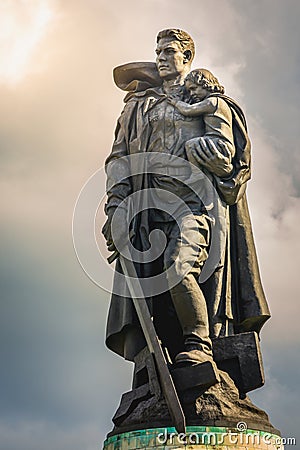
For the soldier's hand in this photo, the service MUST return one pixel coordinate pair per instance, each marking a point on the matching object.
(207, 154)
(106, 230)
(115, 229)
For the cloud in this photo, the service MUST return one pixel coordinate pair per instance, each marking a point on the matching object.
(275, 217)
(41, 435)
(56, 128)
(281, 391)
(271, 78)
(52, 324)
(22, 28)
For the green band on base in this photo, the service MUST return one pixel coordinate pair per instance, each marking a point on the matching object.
(195, 438)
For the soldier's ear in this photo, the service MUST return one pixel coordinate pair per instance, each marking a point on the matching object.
(187, 56)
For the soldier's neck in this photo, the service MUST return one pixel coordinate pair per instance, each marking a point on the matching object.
(176, 84)
(171, 86)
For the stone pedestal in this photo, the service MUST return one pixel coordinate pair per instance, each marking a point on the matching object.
(219, 415)
(197, 437)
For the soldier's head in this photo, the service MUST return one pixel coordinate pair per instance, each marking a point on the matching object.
(175, 51)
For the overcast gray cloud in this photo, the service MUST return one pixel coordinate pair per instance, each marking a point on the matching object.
(60, 386)
(272, 74)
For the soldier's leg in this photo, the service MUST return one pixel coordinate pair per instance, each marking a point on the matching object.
(184, 257)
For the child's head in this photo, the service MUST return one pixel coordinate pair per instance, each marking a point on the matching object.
(201, 82)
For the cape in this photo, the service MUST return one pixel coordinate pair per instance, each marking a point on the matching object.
(234, 291)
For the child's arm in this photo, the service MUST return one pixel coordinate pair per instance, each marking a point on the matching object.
(207, 106)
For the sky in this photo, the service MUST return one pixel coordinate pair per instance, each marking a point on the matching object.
(59, 385)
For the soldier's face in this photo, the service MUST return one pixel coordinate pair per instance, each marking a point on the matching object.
(170, 59)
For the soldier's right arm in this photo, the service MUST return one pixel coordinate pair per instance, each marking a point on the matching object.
(117, 167)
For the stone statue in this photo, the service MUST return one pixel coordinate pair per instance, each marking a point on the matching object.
(182, 117)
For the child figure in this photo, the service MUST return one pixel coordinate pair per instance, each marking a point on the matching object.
(205, 91)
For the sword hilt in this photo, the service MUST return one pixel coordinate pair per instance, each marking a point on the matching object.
(116, 253)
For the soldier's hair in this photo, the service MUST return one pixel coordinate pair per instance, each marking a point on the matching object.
(185, 40)
(206, 79)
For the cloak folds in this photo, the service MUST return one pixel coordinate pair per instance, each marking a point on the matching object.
(234, 291)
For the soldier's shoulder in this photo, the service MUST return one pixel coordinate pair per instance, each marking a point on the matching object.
(133, 97)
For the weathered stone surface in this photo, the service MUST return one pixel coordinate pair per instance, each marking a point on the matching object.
(220, 405)
(239, 355)
(129, 402)
(199, 376)
(222, 402)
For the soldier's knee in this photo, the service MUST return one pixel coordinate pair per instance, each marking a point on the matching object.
(183, 272)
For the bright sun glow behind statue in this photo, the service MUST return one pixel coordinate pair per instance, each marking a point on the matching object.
(22, 26)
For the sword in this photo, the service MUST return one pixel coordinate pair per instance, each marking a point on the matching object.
(153, 343)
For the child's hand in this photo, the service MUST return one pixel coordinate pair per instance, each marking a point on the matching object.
(181, 106)
(172, 99)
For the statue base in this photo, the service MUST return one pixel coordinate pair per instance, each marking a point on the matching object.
(214, 403)
(197, 437)
(218, 406)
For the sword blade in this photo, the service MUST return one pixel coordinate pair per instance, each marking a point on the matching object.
(154, 345)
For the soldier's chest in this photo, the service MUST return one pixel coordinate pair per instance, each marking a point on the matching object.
(166, 121)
